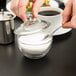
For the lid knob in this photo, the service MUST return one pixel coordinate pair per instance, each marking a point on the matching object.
(2, 11)
(29, 16)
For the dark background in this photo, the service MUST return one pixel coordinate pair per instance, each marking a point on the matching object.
(3, 4)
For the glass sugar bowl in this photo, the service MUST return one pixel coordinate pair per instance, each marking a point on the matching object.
(34, 38)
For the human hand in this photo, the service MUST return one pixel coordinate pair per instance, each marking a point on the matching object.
(69, 14)
(19, 8)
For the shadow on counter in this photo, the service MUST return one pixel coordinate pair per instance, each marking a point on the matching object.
(62, 37)
(35, 67)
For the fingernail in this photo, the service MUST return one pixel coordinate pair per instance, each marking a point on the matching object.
(24, 20)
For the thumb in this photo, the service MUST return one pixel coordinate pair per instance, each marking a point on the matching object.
(73, 21)
(67, 11)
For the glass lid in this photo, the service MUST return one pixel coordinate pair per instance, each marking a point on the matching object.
(32, 26)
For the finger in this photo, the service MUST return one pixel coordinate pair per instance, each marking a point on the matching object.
(36, 6)
(23, 3)
(74, 7)
(67, 11)
(22, 10)
(67, 25)
(14, 6)
(22, 13)
(73, 20)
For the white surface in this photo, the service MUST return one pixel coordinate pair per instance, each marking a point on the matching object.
(37, 48)
(53, 4)
(62, 31)
(56, 20)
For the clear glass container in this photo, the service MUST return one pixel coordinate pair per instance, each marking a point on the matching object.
(34, 38)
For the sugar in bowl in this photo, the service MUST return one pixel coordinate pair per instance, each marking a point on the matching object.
(34, 38)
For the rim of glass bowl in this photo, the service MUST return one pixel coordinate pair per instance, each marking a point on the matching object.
(42, 43)
(33, 31)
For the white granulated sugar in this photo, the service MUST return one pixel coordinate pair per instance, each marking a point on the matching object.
(34, 44)
(34, 49)
(32, 39)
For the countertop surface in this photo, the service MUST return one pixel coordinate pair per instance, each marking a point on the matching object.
(60, 61)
